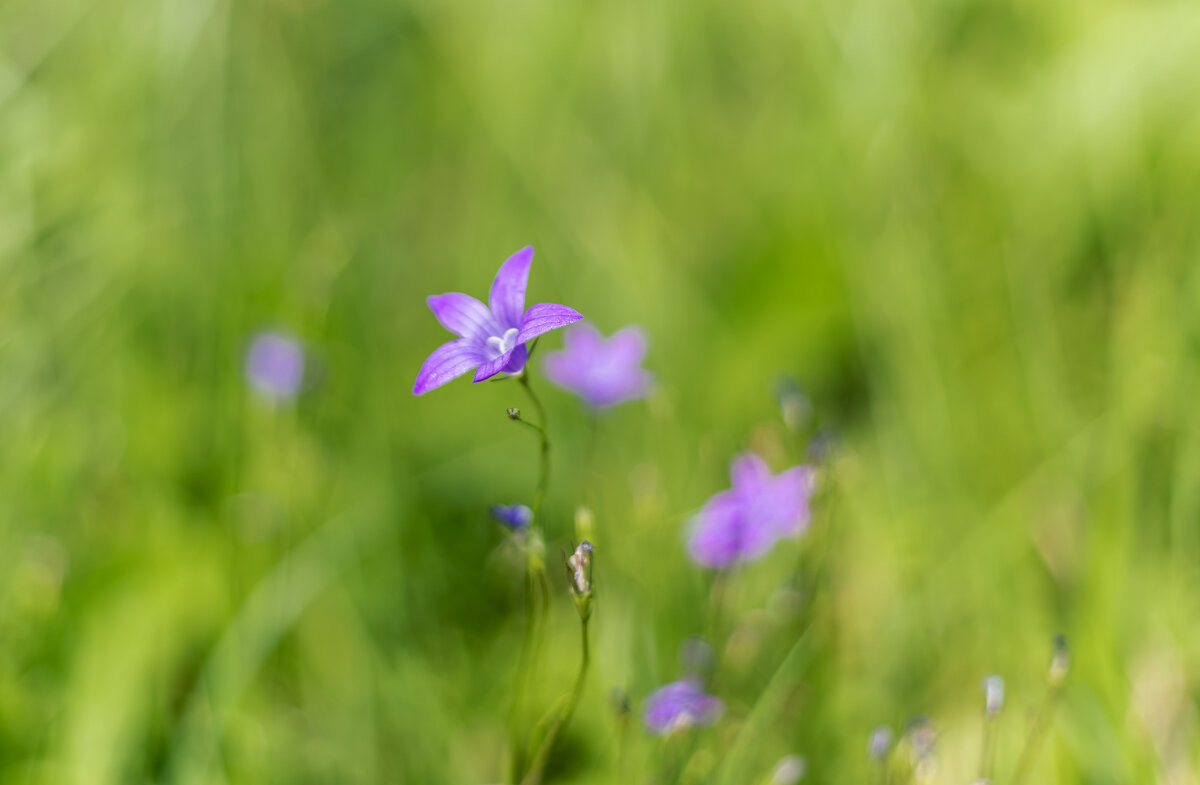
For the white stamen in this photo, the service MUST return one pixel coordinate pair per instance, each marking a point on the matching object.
(502, 345)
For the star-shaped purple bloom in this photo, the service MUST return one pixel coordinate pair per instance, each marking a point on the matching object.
(492, 337)
(681, 704)
(603, 372)
(744, 522)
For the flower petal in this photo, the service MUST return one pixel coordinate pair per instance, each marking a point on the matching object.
(627, 346)
(716, 532)
(490, 368)
(750, 473)
(463, 315)
(583, 340)
(448, 362)
(507, 298)
(792, 491)
(544, 317)
(517, 361)
(679, 705)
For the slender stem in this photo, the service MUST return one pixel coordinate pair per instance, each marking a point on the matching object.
(542, 618)
(985, 750)
(1040, 725)
(522, 677)
(538, 767)
(539, 494)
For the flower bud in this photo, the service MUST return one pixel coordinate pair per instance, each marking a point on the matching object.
(579, 569)
(789, 770)
(620, 701)
(585, 524)
(1060, 662)
(515, 516)
(879, 743)
(794, 405)
(993, 695)
(513, 413)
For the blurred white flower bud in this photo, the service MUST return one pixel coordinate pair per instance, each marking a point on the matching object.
(789, 770)
(993, 695)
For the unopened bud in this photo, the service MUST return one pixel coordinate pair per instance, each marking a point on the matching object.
(879, 743)
(790, 770)
(697, 656)
(922, 737)
(515, 516)
(620, 701)
(793, 403)
(993, 695)
(579, 568)
(585, 524)
(513, 414)
(1061, 661)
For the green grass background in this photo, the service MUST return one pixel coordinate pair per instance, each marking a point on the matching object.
(969, 228)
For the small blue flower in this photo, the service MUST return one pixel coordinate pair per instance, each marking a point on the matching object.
(681, 704)
(275, 365)
(514, 516)
(491, 337)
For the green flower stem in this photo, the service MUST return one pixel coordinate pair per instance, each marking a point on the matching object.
(517, 762)
(986, 752)
(1040, 727)
(542, 756)
(539, 493)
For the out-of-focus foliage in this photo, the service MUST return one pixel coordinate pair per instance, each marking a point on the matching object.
(970, 229)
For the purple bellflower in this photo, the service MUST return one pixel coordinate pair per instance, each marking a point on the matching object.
(275, 365)
(491, 338)
(602, 371)
(744, 522)
(514, 516)
(681, 704)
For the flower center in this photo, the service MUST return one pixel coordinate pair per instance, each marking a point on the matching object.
(504, 344)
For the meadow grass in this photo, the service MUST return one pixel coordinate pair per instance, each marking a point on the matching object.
(969, 229)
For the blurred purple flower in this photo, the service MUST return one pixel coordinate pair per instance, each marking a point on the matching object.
(681, 704)
(275, 365)
(745, 522)
(492, 337)
(603, 372)
(514, 516)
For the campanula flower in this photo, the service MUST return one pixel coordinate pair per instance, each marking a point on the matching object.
(681, 704)
(491, 338)
(602, 371)
(514, 516)
(275, 365)
(744, 522)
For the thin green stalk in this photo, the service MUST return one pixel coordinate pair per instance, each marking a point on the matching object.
(986, 755)
(517, 762)
(542, 756)
(539, 493)
(1040, 725)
